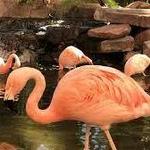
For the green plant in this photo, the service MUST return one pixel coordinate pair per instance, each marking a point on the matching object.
(111, 3)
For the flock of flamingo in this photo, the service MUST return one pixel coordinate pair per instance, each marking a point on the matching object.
(105, 94)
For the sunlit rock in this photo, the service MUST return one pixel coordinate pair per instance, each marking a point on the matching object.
(132, 16)
(111, 31)
(117, 45)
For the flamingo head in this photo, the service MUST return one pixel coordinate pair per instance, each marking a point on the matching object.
(138, 63)
(84, 60)
(16, 61)
(15, 83)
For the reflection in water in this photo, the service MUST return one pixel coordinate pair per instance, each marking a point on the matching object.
(27, 135)
(19, 130)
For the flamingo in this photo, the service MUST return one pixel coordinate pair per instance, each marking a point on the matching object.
(71, 57)
(13, 62)
(93, 94)
(136, 64)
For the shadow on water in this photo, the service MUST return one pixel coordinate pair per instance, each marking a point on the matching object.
(21, 131)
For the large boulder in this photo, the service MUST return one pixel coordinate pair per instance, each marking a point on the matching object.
(111, 31)
(136, 17)
(10, 8)
(117, 45)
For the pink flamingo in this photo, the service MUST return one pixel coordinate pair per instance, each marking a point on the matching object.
(96, 95)
(71, 57)
(136, 64)
(13, 62)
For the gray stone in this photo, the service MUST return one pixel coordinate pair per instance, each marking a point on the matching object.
(146, 48)
(117, 45)
(111, 31)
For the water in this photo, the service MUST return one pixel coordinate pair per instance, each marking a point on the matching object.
(19, 130)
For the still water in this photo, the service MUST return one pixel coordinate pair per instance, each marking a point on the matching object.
(17, 129)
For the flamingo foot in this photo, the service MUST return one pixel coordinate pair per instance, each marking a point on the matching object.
(108, 135)
(87, 137)
(8, 97)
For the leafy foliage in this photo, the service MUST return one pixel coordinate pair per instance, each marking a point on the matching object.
(111, 3)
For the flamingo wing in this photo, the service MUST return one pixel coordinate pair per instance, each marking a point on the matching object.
(92, 90)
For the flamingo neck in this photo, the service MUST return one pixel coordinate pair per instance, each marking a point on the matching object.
(45, 116)
(17, 63)
(6, 66)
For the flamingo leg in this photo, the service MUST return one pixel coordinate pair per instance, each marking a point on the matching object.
(112, 145)
(87, 137)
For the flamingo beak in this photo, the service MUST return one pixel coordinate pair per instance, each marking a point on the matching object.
(16, 64)
(15, 67)
(9, 95)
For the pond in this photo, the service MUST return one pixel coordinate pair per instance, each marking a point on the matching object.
(19, 130)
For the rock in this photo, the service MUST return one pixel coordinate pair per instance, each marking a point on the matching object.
(117, 45)
(62, 33)
(83, 11)
(139, 5)
(146, 48)
(86, 43)
(99, 14)
(141, 37)
(28, 57)
(128, 55)
(10, 8)
(137, 17)
(111, 31)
